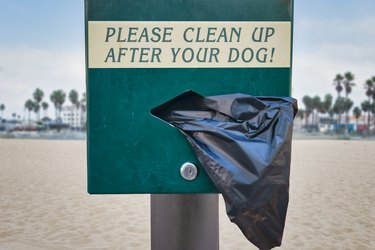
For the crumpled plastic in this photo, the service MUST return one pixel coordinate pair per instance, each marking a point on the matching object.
(244, 145)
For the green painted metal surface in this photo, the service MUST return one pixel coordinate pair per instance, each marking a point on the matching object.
(130, 151)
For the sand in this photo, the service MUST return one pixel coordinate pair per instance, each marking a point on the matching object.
(44, 204)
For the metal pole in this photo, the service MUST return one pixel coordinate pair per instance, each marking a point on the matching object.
(184, 222)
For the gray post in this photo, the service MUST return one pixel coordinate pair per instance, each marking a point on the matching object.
(184, 222)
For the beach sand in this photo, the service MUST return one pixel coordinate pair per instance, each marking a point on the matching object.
(44, 203)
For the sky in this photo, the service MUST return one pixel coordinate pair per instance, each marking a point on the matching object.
(42, 45)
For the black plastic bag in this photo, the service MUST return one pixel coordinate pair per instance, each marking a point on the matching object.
(244, 145)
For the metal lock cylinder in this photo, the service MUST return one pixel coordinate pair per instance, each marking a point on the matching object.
(189, 171)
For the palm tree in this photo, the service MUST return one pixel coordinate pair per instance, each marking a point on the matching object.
(348, 82)
(38, 97)
(357, 112)
(372, 109)
(348, 104)
(2, 108)
(84, 97)
(58, 98)
(307, 101)
(370, 92)
(327, 103)
(36, 109)
(45, 107)
(348, 85)
(325, 106)
(331, 114)
(366, 107)
(301, 114)
(29, 105)
(83, 109)
(337, 82)
(341, 105)
(369, 84)
(73, 97)
(316, 106)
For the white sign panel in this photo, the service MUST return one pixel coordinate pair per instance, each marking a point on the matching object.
(189, 44)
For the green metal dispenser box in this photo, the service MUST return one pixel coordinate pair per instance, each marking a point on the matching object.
(139, 54)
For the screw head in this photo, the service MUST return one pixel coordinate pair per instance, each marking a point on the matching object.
(189, 171)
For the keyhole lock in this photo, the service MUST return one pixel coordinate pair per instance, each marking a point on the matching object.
(189, 171)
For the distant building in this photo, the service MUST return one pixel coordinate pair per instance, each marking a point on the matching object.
(46, 120)
(72, 116)
(361, 120)
(9, 125)
(352, 120)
